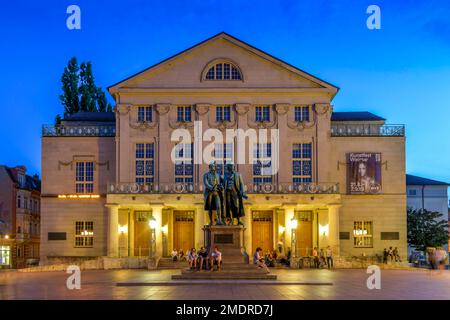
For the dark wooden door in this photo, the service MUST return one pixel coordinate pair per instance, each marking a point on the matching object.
(262, 230)
(183, 230)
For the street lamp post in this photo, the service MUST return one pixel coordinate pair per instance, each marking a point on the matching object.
(152, 223)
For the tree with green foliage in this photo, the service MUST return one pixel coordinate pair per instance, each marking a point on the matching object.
(80, 92)
(70, 96)
(102, 104)
(426, 229)
(88, 90)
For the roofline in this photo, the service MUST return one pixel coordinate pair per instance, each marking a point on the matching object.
(210, 38)
(438, 183)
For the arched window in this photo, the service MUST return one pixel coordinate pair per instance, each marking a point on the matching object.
(223, 71)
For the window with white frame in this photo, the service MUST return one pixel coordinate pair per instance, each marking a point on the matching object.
(223, 113)
(184, 113)
(145, 114)
(84, 234)
(301, 113)
(262, 164)
(145, 162)
(301, 163)
(84, 177)
(223, 154)
(184, 168)
(363, 234)
(262, 113)
(223, 71)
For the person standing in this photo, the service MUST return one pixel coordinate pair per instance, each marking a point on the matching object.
(391, 254)
(329, 254)
(316, 258)
(385, 255)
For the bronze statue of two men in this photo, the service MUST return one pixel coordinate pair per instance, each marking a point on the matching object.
(224, 195)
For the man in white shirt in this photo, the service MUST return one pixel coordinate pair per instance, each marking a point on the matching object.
(216, 256)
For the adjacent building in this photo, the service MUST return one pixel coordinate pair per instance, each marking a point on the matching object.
(125, 185)
(427, 194)
(19, 217)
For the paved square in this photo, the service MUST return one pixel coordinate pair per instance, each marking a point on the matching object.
(346, 284)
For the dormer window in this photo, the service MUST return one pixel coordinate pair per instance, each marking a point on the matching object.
(222, 71)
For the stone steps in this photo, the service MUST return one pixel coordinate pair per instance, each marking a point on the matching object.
(220, 275)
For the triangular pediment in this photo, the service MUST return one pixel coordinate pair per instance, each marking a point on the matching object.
(186, 69)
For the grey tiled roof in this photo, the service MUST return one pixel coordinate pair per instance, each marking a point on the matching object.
(415, 180)
(355, 116)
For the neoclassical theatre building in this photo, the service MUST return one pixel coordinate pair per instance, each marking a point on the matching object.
(111, 185)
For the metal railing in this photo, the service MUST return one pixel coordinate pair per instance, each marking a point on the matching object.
(367, 130)
(192, 188)
(79, 131)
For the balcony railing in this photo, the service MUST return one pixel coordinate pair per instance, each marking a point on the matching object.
(79, 131)
(367, 130)
(189, 188)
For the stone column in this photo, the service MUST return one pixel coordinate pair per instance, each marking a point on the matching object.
(198, 225)
(113, 230)
(289, 214)
(157, 214)
(248, 229)
(333, 229)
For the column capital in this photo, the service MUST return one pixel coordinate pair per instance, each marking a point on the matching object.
(112, 205)
(334, 205)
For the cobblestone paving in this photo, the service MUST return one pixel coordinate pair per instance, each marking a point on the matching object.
(347, 284)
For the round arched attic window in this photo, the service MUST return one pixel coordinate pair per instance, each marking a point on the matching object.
(222, 70)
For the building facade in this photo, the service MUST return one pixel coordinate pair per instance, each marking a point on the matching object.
(340, 180)
(427, 194)
(19, 217)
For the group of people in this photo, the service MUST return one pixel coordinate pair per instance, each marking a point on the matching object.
(201, 259)
(323, 258)
(391, 255)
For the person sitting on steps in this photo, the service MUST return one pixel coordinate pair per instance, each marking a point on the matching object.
(216, 258)
(192, 258)
(258, 260)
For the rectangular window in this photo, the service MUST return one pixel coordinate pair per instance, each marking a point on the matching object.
(145, 114)
(84, 177)
(223, 113)
(223, 154)
(84, 234)
(412, 192)
(184, 166)
(5, 255)
(145, 162)
(301, 113)
(262, 113)
(363, 234)
(18, 201)
(262, 164)
(184, 113)
(301, 163)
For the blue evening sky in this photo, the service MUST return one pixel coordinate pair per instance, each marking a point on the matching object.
(401, 72)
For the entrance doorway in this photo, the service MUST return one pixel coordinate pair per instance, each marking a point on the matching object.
(141, 233)
(262, 230)
(183, 230)
(304, 233)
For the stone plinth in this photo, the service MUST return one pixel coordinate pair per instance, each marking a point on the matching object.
(229, 240)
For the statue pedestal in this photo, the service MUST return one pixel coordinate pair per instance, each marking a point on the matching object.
(229, 240)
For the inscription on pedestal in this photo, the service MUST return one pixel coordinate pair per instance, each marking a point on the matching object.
(223, 238)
